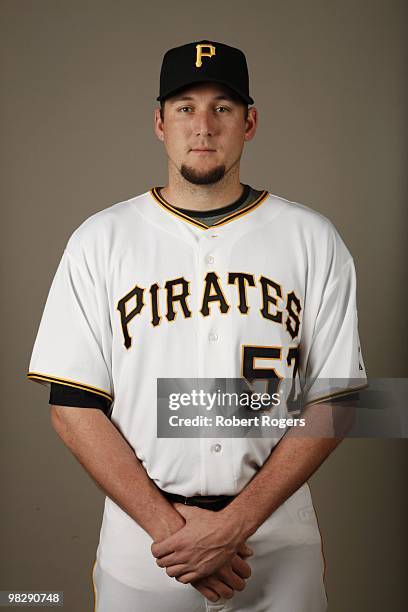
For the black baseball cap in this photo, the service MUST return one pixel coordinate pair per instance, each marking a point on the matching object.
(201, 61)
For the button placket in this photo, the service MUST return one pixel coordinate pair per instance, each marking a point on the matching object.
(206, 259)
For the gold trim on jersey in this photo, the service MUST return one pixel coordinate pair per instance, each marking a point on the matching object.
(238, 213)
(44, 378)
(347, 391)
(94, 585)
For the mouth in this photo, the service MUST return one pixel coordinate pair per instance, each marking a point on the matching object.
(202, 150)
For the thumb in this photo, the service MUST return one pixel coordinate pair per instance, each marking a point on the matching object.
(185, 510)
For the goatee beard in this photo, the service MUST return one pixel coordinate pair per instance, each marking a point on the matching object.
(202, 178)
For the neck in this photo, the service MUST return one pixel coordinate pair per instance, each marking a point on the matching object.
(183, 194)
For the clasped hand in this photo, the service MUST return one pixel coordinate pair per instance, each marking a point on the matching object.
(208, 552)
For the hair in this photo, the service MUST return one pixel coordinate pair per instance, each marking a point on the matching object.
(232, 95)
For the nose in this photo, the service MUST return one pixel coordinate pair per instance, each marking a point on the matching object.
(204, 123)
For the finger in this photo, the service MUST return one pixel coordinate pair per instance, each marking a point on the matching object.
(219, 586)
(244, 550)
(206, 591)
(177, 570)
(170, 560)
(227, 575)
(160, 549)
(241, 567)
(189, 577)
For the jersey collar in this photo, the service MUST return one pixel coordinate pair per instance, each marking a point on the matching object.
(185, 217)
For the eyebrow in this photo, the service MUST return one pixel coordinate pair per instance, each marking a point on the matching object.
(220, 97)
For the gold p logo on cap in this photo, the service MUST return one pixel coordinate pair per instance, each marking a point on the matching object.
(201, 53)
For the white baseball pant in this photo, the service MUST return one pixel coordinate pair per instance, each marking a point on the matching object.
(287, 574)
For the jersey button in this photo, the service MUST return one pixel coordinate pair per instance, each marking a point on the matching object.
(216, 448)
(213, 337)
(210, 259)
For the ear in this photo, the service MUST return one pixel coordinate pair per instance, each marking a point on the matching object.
(251, 123)
(158, 124)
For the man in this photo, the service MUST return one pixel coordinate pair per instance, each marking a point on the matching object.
(203, 278)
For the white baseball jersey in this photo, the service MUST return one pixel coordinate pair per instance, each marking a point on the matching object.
(144, 292)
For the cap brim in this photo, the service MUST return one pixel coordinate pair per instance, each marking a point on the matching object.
(171, 92)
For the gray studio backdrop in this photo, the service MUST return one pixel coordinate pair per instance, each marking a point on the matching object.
(78, 87)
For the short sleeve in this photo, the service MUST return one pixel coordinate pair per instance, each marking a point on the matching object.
(73, 344)
(331, 363)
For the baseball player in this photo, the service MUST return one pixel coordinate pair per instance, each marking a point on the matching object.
(204, 277)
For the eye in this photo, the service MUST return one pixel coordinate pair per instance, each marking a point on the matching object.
(183, 109)
(222, 109)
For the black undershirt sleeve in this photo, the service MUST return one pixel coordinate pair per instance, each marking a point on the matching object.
(64, 395)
